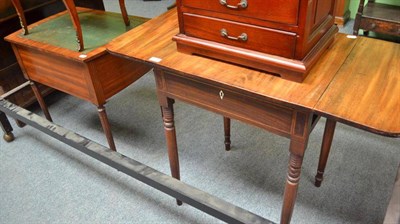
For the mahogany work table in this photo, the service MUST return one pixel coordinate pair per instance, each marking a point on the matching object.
(48, 55)
(355, 82)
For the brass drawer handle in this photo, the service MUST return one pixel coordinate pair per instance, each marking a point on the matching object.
(241, 4)
(242, 37)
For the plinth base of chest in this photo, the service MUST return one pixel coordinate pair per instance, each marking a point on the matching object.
(294, 70)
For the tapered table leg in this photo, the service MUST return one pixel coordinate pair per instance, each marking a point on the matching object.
(325, 149)
(40, 100)
(106, 126)
(170, 135)
(292, 180)
(8, 136)
(227, 132)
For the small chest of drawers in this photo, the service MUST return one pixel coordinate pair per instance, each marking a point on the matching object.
(281, 37)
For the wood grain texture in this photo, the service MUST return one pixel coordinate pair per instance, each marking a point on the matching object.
(366, 90)
(53, 71)
(114, 74)
(272, 117)
(153, 39)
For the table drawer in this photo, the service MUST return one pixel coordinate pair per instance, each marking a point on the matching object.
(272, 117)
(256, 38)
(282, 11)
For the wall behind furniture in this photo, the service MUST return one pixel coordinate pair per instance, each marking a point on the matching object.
(354, 5)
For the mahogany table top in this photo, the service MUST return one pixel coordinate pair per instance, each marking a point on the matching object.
(365, 92)
(356, 81)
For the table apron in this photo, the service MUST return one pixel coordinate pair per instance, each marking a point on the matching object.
(275, 118)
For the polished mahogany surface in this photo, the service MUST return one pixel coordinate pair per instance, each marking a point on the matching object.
(158, 45)
(366, 90)
(280, 106)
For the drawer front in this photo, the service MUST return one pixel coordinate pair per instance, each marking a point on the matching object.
(272, 117)
(281, 11)
(257, 38)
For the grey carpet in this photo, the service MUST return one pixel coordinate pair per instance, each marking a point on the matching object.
(44, 181)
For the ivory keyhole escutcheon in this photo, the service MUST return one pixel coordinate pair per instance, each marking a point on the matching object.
(221, 94)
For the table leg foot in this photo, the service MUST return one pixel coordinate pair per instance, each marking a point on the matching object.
(227, 132)
(325, 149)
(8, 137)
(318, 179)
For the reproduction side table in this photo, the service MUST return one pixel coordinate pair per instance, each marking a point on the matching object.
(274, 104)
(354, 82)
(48, 56)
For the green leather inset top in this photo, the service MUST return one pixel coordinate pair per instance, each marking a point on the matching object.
(98, 29)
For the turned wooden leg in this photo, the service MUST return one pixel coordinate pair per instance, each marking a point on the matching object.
(170, 135)
(106, 126)
(292, 180)
(227, 132)
(6, 127)
(325, 148)
(40, 100)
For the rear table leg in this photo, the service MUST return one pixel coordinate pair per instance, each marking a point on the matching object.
(325, 148)
(227, 132)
